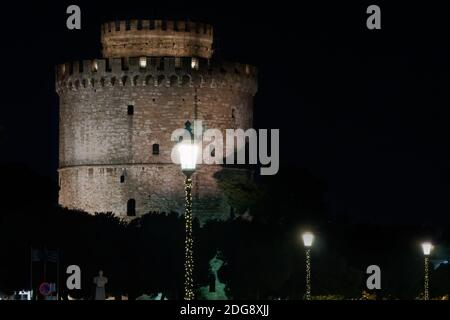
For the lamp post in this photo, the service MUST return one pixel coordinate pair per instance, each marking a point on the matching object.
(308, 238)
(188, 153)
(426, 247)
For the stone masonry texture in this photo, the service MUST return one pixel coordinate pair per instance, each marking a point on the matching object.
(106, 154)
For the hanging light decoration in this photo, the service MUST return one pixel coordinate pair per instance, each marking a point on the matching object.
(188, 159)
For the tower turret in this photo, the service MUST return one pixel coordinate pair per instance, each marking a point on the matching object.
(156, 38)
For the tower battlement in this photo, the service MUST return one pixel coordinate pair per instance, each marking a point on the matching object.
(150, 71)
(156, 38)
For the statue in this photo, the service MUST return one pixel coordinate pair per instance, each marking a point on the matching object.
(100, 281)
(216, 289)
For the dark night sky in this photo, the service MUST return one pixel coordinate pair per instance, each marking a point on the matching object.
(366, 111)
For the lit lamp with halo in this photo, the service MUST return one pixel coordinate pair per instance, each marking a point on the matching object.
(188, 153)
(426, 247)
(308, 239)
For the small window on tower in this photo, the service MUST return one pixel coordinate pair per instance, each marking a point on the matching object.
(131, 208)
(178, 62)
(160, 64)
(194, 63)
(143, 62)
(95, 66)
(130, 110)
(232, 114)
(122, 179)
(155, 149)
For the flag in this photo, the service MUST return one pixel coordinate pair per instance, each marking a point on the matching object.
(50, 255)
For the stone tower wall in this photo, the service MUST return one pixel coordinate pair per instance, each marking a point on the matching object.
(106, 154)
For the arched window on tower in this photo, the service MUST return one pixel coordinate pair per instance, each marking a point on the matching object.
(130, 110)
(131, 208)
(173, 81)
(186, 80)
(161, 79)
(177, 63)
(155, 149)
(149, 80)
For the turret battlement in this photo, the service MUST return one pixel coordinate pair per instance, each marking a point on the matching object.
(151, 71)
(156, 38)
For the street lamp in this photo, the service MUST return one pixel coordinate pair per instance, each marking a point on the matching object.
(308, 239)
(426, 247)
(188, 153)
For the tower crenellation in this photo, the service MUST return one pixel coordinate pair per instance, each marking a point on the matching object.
(164, 71)
(133, 38)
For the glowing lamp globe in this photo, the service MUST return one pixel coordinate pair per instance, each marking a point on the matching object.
(188, 157)
(308, 239)
(427, 247)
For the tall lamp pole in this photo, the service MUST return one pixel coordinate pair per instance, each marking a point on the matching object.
(188, 153)
(308, 239)
(426, 247)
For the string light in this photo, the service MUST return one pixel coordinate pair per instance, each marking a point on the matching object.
(308, 274)
(308, 239)
(189, 244)
(426, 294)
(426, 247)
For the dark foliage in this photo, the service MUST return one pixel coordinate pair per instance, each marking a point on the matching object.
(264, 256)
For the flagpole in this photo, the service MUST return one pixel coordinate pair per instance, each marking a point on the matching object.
(31, 272)
(45, 263)
(57, 274)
